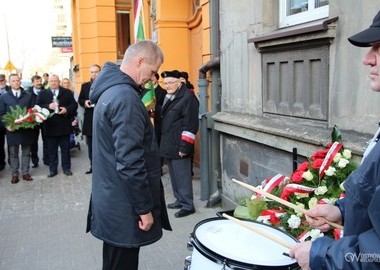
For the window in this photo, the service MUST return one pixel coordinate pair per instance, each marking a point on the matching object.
(294, 12)
(123, 32)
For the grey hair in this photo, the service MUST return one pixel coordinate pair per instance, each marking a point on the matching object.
(145, 48)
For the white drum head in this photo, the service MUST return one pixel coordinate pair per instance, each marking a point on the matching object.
(236, 242)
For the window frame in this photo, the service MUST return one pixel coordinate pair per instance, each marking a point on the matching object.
(307, 16)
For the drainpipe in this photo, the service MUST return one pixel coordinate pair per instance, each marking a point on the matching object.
(210, 158)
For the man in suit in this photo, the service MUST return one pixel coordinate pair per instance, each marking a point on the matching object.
(4, 88)
(21, 137)
(84, 101)
(58, 127)
(35, 91)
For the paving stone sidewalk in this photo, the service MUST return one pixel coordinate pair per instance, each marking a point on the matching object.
(42, 223)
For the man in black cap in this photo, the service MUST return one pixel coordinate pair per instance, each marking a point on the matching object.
(179, 126)
(359, 248)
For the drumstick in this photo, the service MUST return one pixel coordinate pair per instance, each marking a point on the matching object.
(284, 202)
(259, 231)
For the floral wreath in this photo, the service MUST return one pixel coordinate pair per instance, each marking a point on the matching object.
(22, 118)
(316, 181)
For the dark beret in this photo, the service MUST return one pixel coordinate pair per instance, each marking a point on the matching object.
(172, 73)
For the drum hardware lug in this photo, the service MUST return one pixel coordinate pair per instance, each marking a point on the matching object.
(190, 246)
(187, 263)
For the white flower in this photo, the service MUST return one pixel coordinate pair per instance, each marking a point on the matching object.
(264, 219)
(315, 233)
(337, 157)
(320, 190)
(45, 112)
(347, 153)
(307, 175)
(37, 108)
(330, 171)
(301, 195)
(294, 222)
(313, 202)
(343, 163)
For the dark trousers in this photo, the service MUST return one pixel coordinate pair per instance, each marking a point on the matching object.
(117, 258)
(2, 146)
(34, 148)
(64, 144)
(182, 185)
(89, 145)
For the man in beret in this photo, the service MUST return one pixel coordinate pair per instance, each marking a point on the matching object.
(359, 248)
(179, 127)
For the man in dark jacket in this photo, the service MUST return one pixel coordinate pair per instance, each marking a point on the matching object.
(127, 208)
(360, 209)
(21, 137)
(4, 88)
(58, 127)
(35, 91)
(179, 127)
(84, 101)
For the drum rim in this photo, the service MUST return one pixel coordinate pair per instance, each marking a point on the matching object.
(224, 260)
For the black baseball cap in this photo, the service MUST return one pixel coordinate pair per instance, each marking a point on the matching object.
(368, 36)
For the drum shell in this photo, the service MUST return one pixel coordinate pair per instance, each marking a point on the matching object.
(204, 258)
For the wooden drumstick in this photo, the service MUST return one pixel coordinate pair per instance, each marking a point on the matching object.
(259, 231)
(283, 202)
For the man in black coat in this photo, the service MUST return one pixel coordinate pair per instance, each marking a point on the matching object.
(84, 101)
(58, 127)
(21, 137)
(34, 91)
(4, 88)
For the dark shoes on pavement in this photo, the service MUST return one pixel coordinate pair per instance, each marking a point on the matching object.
(35, 165)
(15, 180)
(27, 177)
(174, 205)
(68, 173)
(184, 213)
(52, 174)
(89, 171)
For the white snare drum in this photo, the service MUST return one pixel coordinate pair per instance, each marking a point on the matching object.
(219, 243)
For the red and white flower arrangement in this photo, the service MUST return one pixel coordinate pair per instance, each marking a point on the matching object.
(24, 118)
(316, 181)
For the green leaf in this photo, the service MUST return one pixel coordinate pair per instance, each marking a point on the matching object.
(336, 136)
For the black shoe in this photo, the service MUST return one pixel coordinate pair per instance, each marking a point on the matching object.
(2, 167)
(89, 171)
(35, 166)
(68, 173)
(52, 174)
(46, 163)
(174, 205)
(184, 213)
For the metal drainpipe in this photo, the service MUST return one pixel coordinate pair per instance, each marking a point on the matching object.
(210, 159)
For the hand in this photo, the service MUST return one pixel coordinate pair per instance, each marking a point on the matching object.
(62, 110)
(328, 212)
(301, 252)
(146, 222)
(52, 106)
(87, 103)
(181, 154)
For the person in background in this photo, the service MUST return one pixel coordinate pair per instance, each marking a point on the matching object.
(45, 83)
(179, 127)
(58, 127)
(127, 192)
(16, 138)
(359, 248)
(35, 90)
(84, 101)
(4, 88)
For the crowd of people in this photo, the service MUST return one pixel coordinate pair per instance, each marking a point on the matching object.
(58, 131)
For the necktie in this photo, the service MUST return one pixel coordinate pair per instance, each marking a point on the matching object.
(16, 94)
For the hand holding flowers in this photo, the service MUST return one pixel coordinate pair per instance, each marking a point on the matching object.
(23, 118)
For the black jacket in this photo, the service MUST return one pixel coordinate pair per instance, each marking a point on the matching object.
(88, 112)
(8, 100)
(126, 179)
(58, 125)
(179, 124)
